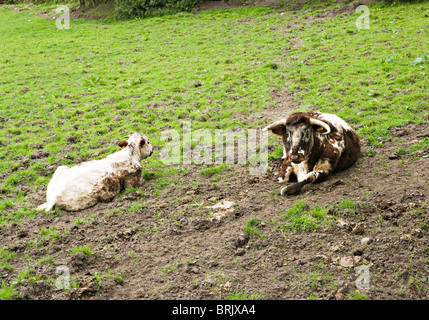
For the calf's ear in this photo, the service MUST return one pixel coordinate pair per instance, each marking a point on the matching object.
(122, 144)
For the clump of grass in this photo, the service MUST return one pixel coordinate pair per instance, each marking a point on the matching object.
(49, 234)
(251, 228)
(84, 249)
(117, 277)
(86, 220)
(213, 170)
(6, 204)
(5, 256)
(355, 295)
(136, 206)
(8, 293)
(301, 217)
(244, 295)
(349, 204)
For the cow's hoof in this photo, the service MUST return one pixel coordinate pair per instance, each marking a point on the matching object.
(281, 180)
(290, 190)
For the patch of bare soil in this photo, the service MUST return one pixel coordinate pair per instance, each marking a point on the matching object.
(210, 5)
(189, 243)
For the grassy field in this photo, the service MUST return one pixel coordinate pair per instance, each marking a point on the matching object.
(99, 81)
(68, 96)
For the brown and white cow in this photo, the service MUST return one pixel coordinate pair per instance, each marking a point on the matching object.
(315, 145)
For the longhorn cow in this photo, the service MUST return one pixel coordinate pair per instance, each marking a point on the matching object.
(315, 145)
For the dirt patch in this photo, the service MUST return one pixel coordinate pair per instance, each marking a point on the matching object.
(211, 5)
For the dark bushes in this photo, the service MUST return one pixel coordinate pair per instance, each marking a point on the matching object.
(127, 9)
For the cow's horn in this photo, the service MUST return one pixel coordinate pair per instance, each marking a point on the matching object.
(274, 124)
(322, 124)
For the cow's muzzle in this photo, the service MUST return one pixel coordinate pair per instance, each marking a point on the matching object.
(296, 158)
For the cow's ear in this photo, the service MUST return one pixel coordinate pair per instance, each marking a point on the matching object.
(122, 144)
(319, 129)
(278, 128)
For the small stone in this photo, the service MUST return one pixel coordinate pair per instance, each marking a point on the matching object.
(241, 240)
(365, 241)
(79, 256)
(405, 237)
(417, 233)
(346, 262)
(359, 229)
(343, 290)
(227, 286)
(394, 156)
(343, 224)
(339, 296)
(240, 252)
(335, 248)
(116, 117)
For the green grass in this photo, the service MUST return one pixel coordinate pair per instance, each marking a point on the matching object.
(84, 249)
(244, 295)
(8, 293)
(49, 234)
(136, 206)
(355, 295)
(5, 256)
(212, 170)
(216, 69)
(349, 204)
(251, 228)
(300, 217)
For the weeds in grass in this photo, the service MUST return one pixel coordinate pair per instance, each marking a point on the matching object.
(5, 256)
(213, 170)
(84, 249)
(356, 295)
(244, 295)
(49, 234)
(301, 217)
(8, 293)
(251, 228)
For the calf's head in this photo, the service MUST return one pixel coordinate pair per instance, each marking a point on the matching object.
(298, 133)
(139, 143)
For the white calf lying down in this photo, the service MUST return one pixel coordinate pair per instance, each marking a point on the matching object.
(96, 181)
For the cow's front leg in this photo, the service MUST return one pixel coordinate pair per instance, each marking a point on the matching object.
(321, 171)
(285, 171)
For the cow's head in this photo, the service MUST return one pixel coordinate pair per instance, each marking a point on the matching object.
(298, 132)
(139, 143)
